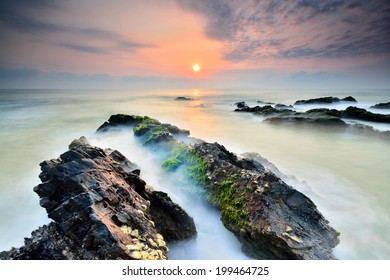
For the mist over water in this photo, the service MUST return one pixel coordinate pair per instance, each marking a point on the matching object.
(345, 173)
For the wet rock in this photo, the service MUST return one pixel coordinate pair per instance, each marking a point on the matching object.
(270, 218)
(325, 100)
(98, 208)
(381, 106)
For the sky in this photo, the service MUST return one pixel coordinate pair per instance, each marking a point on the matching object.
(155, 43)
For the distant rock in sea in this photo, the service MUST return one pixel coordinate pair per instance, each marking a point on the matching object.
(101, 209)
(271, 219)
(240, 104)
(381, 106)
(183, 98)
(319, 117)
(325, 100)
(265, 102)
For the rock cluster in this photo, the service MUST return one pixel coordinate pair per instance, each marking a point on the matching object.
(101, 209)
(281, 113)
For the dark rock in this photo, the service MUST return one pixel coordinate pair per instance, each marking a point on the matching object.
(120, 119)
(381, 106)
(364, 115)
(282, 106)
(265, 102)
(270, 218)
(183, 98)
(240, 104)
(299, 119)
(102, 210)
(264, 110)
(348, 99)
(325, 100)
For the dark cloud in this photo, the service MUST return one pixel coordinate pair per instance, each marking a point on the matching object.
(82, 48)
(31, 17)
(303, 28)
(26, 16)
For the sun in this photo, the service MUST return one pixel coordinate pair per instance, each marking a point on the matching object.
(196, 68)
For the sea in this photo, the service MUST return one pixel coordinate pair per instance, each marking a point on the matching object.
(345, 172)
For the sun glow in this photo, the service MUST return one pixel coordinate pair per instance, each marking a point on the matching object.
(196, 68)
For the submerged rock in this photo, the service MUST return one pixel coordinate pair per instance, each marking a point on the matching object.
(101, 210)
(381, 106)
(325, 100)
(270, 218)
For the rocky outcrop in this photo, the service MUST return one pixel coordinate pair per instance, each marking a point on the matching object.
(325, 100)
(270, 218)
(381, 106)
(101, 209)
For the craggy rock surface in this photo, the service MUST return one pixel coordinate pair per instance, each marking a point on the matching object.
(271, 219)
(101, 209)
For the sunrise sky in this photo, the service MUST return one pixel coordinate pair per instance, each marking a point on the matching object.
(155, 43)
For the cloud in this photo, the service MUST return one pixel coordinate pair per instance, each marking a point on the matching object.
(81, 48)
(25, 16)
(253, 30)
(32, 17)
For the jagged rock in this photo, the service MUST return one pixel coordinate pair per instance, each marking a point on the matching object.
(183, 98)
(270, 218)
(100, 207)
(325, 100)
(381, 106)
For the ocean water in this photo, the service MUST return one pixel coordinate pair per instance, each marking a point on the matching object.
(345, 173)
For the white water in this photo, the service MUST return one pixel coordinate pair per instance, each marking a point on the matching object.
(345, 174)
